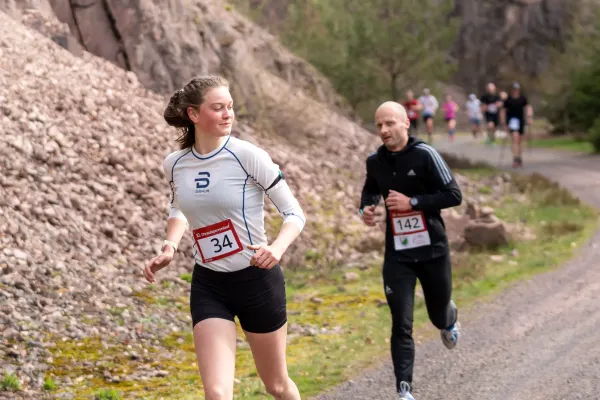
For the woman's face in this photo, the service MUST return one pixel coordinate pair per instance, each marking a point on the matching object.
(215, 116)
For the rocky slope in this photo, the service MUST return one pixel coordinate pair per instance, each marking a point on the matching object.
(166, 43)
(83, 198)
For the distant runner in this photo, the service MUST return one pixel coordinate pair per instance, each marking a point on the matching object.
(474, 112)
(490, 105)
(516, 107)
(412, 109)
(429, 105)
(450, 108)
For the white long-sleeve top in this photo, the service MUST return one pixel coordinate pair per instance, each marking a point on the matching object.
(221, 196)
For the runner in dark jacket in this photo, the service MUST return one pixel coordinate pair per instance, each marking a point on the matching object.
(416, 184)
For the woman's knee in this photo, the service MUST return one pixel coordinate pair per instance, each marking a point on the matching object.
(217, 392)
(277, 387)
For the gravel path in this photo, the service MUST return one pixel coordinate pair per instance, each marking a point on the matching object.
(540, 339)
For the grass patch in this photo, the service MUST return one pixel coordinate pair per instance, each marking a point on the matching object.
(564, 143)
(10, 383)
(49, 384)
(338, 328)
(107, 394)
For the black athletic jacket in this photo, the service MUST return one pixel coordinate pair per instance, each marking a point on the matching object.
(417, 171)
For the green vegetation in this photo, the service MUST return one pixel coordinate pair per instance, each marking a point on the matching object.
(369, 50)
(10, 383)
(339, 327)
(49, 384)
(564, 143)
(572, 85)
(107, 394)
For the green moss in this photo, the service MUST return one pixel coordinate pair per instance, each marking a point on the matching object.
(162, 301)
(145, 295)
(186, 277)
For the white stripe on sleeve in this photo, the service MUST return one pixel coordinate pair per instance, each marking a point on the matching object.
(441, 167)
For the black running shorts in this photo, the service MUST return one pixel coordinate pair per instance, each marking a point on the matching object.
(255, 295)
(492, 117)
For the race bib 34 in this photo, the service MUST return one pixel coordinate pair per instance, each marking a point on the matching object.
(217, 241)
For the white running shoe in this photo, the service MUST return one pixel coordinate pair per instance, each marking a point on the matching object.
(451, 335)
(405, 391)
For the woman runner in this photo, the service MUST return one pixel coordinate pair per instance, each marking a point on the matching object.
(217, 185)
(450, 108)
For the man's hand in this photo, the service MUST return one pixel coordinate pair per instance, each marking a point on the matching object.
(396, 201)
(369, 216)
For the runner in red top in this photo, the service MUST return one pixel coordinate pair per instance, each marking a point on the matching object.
(412, 107)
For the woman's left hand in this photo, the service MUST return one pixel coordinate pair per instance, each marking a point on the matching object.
(266, 256)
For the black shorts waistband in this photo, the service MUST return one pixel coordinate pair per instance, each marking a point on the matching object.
(248, 273)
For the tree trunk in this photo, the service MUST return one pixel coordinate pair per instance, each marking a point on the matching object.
(394, 86)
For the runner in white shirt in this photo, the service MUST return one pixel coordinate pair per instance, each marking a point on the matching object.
(429, 106)
(217, 185)
(474, 111)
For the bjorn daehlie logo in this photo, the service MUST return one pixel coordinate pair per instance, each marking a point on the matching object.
(202, 182)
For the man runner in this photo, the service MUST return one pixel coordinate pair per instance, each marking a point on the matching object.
(490, 105)
(416, 184)
(513, 114)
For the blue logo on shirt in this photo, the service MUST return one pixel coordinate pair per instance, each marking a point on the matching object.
(202, 182)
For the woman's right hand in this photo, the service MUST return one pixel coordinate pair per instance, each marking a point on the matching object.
(158, 263)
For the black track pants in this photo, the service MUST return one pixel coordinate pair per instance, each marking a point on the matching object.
(399, 285)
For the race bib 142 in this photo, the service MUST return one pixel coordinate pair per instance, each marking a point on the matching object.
(409, 229)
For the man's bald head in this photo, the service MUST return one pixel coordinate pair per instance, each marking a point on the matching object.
(392, 125)
(392, 108)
